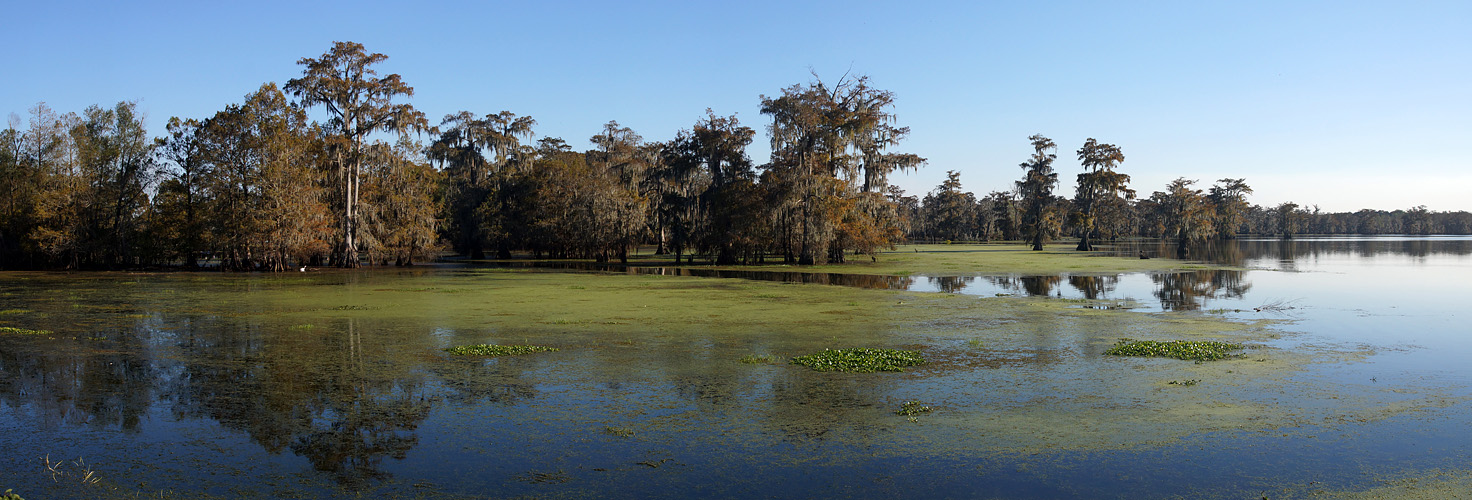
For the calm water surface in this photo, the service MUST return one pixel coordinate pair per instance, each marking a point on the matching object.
(245, 386)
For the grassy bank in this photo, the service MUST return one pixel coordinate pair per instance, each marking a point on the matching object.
(958, 260)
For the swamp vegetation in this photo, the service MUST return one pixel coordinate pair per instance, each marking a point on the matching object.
(339, 383)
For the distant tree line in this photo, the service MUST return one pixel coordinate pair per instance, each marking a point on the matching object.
(260, 186)
(1105, 208)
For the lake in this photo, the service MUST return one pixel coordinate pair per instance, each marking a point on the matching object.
(335, 383)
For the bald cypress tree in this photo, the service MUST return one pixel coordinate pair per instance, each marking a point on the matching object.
(1039, 220)
(360, 103)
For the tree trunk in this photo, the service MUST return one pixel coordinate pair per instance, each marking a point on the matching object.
(1083, 243)
(350, 241)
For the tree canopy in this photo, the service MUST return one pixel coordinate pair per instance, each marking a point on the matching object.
(261, 185)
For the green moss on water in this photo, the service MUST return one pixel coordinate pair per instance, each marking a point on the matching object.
(762, 359)
(1191, 350)
(497, 350)
(1004, 367)
(10, 330)
(623, 432)
(862, 360)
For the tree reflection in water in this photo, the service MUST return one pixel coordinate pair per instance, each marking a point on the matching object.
(1035, 286)
(950, 284)
(1094, 287)
(1189, 291)
(105, 382)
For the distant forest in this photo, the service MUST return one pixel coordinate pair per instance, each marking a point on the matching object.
(259, 186)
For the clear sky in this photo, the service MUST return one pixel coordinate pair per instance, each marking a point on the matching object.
(1342, 104)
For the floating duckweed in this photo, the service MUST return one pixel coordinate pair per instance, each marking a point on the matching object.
(497, 350)
(1179, 349)
(753, 359)
(912, 408)
(22, 331)
(356, 308)
(8, 312)
(863, 360)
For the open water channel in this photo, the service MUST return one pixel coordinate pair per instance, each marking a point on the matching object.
(333, 384)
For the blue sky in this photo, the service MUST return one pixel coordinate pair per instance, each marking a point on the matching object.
(1346, 105)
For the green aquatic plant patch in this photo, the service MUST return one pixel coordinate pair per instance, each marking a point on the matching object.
(862, 360)
(10, 330)
(1179, 349)
(912, 408)
(762, 359)
(497, 350)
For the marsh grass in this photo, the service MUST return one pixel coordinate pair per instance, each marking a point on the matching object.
(77, 471)
(862, 360)
(989, 258)
(1190, 350)
(10, 330)
(497, 350)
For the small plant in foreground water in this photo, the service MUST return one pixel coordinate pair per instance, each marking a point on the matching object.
(861, 360)
(912, 408)
(1179, 349)
(78, 471)
(497, 350)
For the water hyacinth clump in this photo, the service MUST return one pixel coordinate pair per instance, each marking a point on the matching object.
(863, 360)
(1179, 349)
(497, 350)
